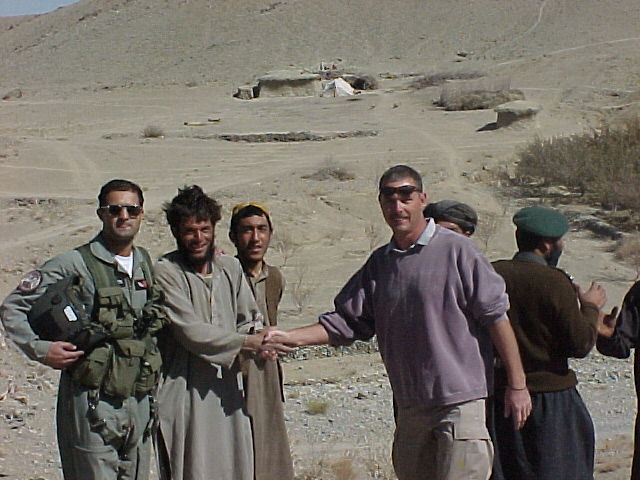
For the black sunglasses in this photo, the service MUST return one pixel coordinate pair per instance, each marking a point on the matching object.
(404, 192)
(114, 210)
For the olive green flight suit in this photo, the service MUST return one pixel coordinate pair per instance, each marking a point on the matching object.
(84, 453)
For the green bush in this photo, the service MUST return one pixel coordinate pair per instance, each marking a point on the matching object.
(604, 164)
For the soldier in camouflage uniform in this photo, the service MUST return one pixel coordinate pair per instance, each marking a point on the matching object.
(104, 412)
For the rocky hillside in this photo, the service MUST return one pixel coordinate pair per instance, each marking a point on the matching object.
(112, 43)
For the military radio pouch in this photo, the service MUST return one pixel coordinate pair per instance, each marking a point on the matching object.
(59, 315)
(128, 361)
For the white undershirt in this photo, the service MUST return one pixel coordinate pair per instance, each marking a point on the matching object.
(126, 263)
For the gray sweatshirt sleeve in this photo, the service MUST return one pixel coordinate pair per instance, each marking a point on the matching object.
(485, 288)
(353, 317)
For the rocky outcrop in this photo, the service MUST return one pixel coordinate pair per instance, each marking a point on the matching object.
(518, 110)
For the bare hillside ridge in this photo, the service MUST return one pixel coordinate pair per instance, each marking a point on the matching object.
(112, 43)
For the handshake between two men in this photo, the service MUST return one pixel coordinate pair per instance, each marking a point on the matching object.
(273, 342)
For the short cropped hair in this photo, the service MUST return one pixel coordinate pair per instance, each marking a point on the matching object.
(191, 202)
(119, 185)
(398, 172)
(527, 241)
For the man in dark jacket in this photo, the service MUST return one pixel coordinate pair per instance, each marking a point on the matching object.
(553, 320)
(616, 338)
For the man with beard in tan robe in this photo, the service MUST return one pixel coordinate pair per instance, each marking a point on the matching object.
(204, 430)
(250, 231)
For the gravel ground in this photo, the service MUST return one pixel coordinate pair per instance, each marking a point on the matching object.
(355, 432)
(338, 413)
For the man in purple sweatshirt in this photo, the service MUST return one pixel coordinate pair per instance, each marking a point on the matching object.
(435, 304)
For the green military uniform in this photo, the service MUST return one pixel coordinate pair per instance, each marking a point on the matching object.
(100, 436)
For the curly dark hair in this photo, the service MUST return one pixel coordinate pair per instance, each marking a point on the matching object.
(191, 202)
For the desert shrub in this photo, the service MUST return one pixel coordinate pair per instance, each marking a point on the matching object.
(603, 163)
(344, 469)
(454, 99)
(489, 223)
(331, 171)
(301, 289)
(628, 251)
(478, 94)
(284, 243)
(370, 462)
(317, 407)
(375, 233)
(153, 131)
(436, 79)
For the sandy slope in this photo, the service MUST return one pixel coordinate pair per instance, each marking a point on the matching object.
(572, 57)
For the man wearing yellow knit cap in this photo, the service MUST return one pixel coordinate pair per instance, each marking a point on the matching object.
(250, 232)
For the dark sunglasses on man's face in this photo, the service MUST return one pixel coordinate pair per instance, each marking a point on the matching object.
(404, 192)
(114, 210)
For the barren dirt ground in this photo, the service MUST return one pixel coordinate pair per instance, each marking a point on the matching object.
(56, 152)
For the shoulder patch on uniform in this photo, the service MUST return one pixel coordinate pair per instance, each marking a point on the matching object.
(30, 281)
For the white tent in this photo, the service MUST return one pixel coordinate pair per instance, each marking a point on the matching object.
(337, 88)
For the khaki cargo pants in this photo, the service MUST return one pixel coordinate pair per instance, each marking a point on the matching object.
(443, 443)
(84, 453)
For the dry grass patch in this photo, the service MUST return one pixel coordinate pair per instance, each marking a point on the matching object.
(316, 407)
(371, 462)
(153, 131)
(603, 163)
(331, 172)
(614, 455)
(437, 79)
(628, 251)
(284, 243)
(477, 95)
(301, 289)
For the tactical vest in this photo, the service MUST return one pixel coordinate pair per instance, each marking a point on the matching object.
(128, 360)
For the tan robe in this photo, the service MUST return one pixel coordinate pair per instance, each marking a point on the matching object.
(264, 393)
(204, 430)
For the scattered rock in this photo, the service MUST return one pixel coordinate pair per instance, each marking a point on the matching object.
(289, 84)
(361, 81)
(289, 136)
(597, 226)
(518, 110)
(246, 92)
(12, 94)
(111, 136)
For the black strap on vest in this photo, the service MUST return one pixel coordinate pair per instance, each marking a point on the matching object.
(273, 292)
(104, 276)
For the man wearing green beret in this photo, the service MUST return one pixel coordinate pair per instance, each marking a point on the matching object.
(554, 320)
